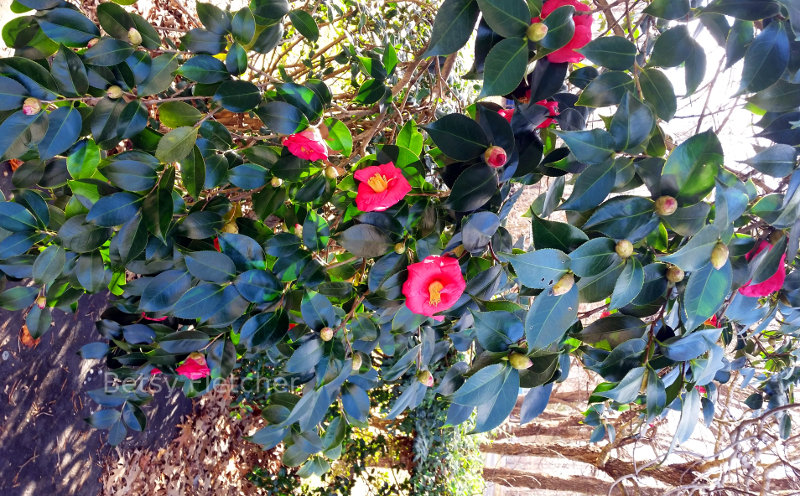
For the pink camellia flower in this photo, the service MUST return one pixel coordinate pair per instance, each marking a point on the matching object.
(507, 113)
(495, 156)
(774, 283)
(155, 371)
(307, 144)
(700, 389)
(194, 367)
(31, 106)
(433, 285)
(583, 30)
(381, 187)
(553, 108)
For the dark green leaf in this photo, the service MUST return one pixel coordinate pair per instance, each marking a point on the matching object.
(658, 92)
(696, 253)
(12, 93)
(164, 290)
(632, 123)
(558, 235)
(473, 188)
(130, 175)
(193, 172)
(68, 26)
(268, 39)
(269, 9)
(671, 48)
(114, 20)
(91, 271)
(264, 330)
(200, 40)
(304, 24)
(19, 131)
(281, 117)
(243, 25)
(505, 66)
(184, 342)
(454, 23)
(176, 144)
(365, 240)
(628, 285)
(160, 77)
(458, 136)
(49, 264)
(204, 69)
(591, 187)
(606, 89)
(539, 269)
(561, 27)
(613, 52)
(549, 318)
(766, 58)
(238, 96)
(114, 210)
(591, 147)
(248, 176)
(107, 52)
(508, 18)
(62, 132)
(777, 160)
(213, 18)
(258, 286)
(177, 114)
(210, 266)
(14, 217)
(690, 169)
(668, 9)
(744, 9)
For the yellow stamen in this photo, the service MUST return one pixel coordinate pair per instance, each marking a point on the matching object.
(435, 292)
(378, 183)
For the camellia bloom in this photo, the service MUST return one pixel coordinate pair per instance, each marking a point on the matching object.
(713, 321)
(194, 367)
(553, 108)
(495, 156)
(307, 144)
(381, 187)
(155, 371)
(506, 113)
(774, 283)
(433, 285)
(583, 30)
(154, 319)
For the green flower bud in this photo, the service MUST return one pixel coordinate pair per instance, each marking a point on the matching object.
(564, 284)
(326, 334)
(276, 182)
(719, 255)
(536, 31)
(357, 361)
(134, 36)
(624, 248)
(666, 205)
(400, 248)
(114, 92)
(31, 106)
(674, 274)
(331, 172)
(519, 361)
(425, 377)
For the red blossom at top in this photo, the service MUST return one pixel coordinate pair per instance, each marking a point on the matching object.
(583, 30)
(307, 144)
(774, 283)
(433, 285)
(194, 367)
(553, 108)
(380, 187)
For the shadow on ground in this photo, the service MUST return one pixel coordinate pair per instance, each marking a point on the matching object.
(46, 447)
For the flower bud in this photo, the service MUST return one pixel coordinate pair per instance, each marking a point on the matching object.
(674, 274)
(564, 284)
(231, 227)
(666, 205)
(134, 36)
(298, 230)
(495, 156)
(276, 182)
(31, 106)
(331, 172)
(519, 361)
(114, 92)
(326, 334)
(624, 248)
(425, 377)
(41, 302)
(92, 42)
(719, 255)
(536, 31)
(400, 248)
(357, 361)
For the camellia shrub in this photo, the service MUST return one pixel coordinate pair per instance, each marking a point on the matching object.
(236, 207)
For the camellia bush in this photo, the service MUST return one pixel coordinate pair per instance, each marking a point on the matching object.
(244, 193)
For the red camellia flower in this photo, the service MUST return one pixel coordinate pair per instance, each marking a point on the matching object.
(507, 113)
(307, 144)
(553, 108)
(774, 283)
(433, 285)
(194, 367)
(381, 187)
(216, 244)
(713, 321)
(155, 371)
(583, 30)
(156, 319)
